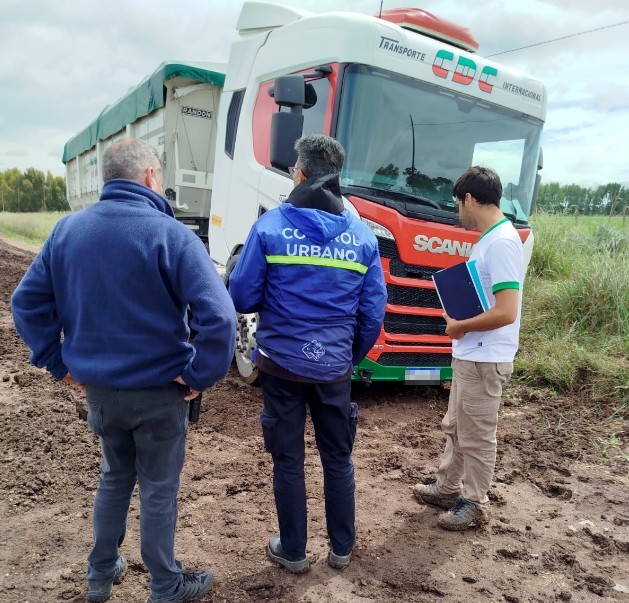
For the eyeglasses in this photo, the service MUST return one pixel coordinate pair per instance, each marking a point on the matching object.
(292, 170)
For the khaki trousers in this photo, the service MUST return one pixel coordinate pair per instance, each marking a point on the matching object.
(470, 426)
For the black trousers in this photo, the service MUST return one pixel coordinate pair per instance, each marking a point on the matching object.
(334, 417)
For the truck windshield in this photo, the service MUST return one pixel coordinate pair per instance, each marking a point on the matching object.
(410, 141)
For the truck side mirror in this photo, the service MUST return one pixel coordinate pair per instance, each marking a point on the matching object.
(287, 126)
(540, 159)
(310, 96)
(538, 181)
(289, 91)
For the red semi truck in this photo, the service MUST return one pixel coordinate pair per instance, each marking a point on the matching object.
(410, 101)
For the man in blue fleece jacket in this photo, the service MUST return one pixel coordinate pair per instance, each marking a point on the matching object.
(103, 307)
(312, 271)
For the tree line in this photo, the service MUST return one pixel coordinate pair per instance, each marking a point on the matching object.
(32, 191)
(609, 199)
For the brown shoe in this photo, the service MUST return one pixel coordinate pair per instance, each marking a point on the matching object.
(431, 495)
(463, 515)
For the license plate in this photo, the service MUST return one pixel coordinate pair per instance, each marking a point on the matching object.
(429, 376)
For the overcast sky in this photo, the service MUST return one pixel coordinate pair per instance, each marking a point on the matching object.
(62, 61)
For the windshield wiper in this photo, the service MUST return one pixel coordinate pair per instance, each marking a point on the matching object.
(396, 194)
(511, 216)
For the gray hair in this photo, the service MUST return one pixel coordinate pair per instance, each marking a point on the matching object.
(319, 155)
(128, 159)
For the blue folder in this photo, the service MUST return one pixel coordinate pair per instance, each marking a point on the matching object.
(460, 290)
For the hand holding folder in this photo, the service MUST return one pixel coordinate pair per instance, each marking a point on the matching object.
(460, 290)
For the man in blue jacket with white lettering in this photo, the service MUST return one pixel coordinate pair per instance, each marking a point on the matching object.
(312, 271)
(103, 307)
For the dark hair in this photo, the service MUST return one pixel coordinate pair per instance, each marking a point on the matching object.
(319, 155)
(480, 182)
(128, 159)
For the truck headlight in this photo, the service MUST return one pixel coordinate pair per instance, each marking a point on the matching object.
(378, 229)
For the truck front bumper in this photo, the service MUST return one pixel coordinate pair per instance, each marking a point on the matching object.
(368, 371)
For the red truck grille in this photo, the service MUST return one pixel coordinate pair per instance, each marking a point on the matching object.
(413, 296)
(387, 248)
(414, 325)
(414, 359)
(398, 268)
(413, 333)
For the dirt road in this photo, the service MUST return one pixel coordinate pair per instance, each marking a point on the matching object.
(560, 519)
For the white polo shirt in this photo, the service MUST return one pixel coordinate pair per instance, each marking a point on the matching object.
(499, 254)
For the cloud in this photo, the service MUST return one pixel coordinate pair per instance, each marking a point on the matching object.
(584, 76)
(62, 62)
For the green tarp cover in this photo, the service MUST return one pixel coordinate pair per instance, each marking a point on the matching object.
(147, 96)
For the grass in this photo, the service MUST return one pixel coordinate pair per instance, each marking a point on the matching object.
(612, 445)
(575, 320)
(32, 228)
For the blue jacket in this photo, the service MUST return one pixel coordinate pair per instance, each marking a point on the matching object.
(313, 272)
(116, 280)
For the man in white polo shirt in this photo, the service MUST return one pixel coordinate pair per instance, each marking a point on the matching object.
(483, 349)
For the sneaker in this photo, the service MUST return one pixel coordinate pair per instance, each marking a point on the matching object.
(276, 553)
(463, 515)
(338, 561)
(192, 587)
(431, 495)
(100, 590)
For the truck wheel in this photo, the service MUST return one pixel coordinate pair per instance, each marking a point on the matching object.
(245, 344)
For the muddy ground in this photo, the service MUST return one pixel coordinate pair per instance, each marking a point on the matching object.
(560, 500)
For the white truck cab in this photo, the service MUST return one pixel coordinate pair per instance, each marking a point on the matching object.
(406, 95)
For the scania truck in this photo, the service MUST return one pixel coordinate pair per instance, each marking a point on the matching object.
(411, 102)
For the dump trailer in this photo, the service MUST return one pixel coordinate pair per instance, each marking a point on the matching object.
(406, 95)
(174, 109)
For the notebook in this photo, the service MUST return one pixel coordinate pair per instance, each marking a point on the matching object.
(460, 290)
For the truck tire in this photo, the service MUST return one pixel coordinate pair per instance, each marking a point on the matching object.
(245, 335)
(245, 345)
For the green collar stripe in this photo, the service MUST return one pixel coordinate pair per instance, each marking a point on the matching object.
(494, 226)
(507, 285)
(313, 261)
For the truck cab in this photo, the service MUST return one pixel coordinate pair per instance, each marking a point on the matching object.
(414, 107)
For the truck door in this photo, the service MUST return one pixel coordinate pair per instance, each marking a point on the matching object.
(276, 185)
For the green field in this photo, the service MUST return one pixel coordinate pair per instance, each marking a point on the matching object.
(575, 320)
(32, 228)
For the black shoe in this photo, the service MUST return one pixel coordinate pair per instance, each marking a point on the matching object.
(276, 553)
(100, 590)
(192, 587)
(338, 561)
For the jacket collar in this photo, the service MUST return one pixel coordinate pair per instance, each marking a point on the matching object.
(129, 190)
(322, 192)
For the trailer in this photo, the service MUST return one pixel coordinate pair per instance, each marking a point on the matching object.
(174, 109)
(411, 102)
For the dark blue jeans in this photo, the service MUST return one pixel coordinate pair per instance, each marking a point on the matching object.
(334, 417)
(143, 437)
